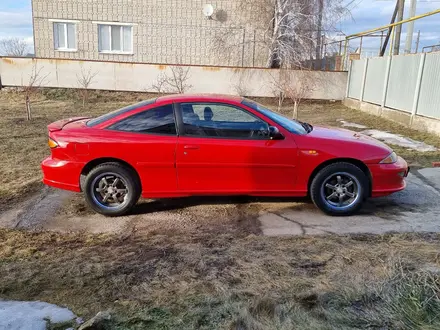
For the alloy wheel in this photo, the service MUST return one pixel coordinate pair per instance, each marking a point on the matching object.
(340, 190)
(110, 190)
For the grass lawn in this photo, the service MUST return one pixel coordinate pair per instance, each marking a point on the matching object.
(224, 277)
(229, 279)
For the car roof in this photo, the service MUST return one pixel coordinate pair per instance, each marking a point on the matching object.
(200, 97)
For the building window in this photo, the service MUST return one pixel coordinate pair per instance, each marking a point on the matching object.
(64, 36)
(115, 38)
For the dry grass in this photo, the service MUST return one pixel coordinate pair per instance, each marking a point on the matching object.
(229, 279)
(214, 277)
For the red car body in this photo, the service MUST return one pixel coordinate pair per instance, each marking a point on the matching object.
(175, 166)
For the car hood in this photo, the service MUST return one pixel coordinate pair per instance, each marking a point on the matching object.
(345, 135)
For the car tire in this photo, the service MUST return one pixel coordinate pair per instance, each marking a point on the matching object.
(339, 189)
(112, 189)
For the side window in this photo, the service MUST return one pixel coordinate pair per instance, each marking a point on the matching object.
(223, 121)
(154, 121)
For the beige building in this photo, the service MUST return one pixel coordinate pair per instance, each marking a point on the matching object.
(148, 31)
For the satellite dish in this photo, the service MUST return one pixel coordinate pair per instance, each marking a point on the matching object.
(208, 10)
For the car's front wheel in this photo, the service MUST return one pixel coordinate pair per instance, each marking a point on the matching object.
(339, 189)
(112, 189)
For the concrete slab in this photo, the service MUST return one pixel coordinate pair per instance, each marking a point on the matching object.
(350, 124)
(432, 175)
(399, 140)
(416, 209)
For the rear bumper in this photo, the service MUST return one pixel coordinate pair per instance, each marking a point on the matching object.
(388, 178)
(62, 174)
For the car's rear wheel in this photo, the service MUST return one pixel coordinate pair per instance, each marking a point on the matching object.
(339, 189)
(112, 189)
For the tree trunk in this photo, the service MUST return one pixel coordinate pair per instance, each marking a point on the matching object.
(274, 61)
(280, 101)
(85, 96)
(28, 108)
(295, 110)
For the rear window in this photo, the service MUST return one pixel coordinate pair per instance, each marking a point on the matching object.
(154, 121)
(113, 114)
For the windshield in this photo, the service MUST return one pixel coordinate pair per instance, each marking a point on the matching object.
(292, 126)
(110, 115)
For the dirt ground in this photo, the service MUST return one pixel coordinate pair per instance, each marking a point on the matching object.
(216, 263)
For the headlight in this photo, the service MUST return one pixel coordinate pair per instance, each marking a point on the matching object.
(391, 159)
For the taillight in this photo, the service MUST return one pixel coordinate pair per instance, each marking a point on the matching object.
(52, 143)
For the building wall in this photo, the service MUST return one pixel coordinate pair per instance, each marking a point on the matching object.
(140, 77)
(164, 31)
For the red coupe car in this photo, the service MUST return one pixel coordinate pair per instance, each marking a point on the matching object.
(186, 145)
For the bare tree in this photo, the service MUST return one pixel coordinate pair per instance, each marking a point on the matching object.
(295, 85)
(85, 79)
(13, 47)
(288, 29)
(176, 82)
(241, 87)
(278, 92)
(31, 86)
(300, 90)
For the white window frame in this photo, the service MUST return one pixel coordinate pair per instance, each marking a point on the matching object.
(65, 22)
(121, 25)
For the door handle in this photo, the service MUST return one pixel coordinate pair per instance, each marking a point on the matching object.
(191, 147)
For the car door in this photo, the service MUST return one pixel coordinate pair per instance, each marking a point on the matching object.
(223, 148)
(148, 141)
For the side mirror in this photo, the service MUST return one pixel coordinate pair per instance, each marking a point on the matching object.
(275, 134)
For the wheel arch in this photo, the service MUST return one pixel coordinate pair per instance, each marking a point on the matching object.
(98, 161)
(353, 161)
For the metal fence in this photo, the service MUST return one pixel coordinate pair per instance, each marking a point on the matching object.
(408, 83)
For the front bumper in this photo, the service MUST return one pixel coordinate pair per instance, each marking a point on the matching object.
(62, 174)
(388, 178)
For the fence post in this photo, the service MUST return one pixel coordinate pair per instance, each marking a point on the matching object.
(348, 79)
(418, 86)
(364, 78)
(386, 81)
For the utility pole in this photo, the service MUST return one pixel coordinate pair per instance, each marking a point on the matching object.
(318, 36)
(410, 31)
(387, 38)
(400, 10)
(417, 42)
(381, 42)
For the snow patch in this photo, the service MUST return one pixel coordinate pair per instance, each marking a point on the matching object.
(348, 124)
(399, 140)
(23, 315)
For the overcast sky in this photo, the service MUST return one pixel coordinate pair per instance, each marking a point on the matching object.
(16, 20)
